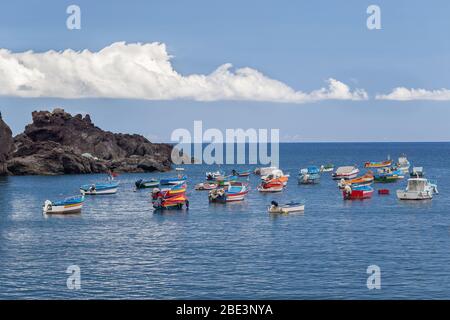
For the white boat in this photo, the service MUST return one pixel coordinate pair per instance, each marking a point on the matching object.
(276, 174)
(403, 164)
(346, 172)
(417, 189)
(286, 208)
(66, 206)
(327, 168)
(265, 170)
(214, 175)
(417, 172)
(205, 186)
(99, 188)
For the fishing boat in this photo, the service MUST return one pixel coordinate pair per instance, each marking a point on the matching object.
(417, 189)
(100, 188)
(276, 174)
(286, 208)
(364, 180)
(175, 190)
(214, 175)
(329, 167)
(403, 164)
(244, 173)
(173, 181)
(378, 164)
(264, 171)
(274, 185)
(388, 175)
(66, 206)
(172, 203)
(143, 184)
(417, 172)
(346, 172)
(234, 192)
(357, 192)
(226, 180)
(205, 186)
(310, 175)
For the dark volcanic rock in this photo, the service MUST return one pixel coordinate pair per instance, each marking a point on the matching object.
(6, 144)
(59, 143)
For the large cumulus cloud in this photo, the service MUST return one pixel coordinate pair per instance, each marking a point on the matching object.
(144, 71)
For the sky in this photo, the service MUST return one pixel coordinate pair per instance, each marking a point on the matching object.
(309, 68)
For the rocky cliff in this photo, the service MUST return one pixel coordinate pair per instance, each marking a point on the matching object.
(6, 144)
(59, 143)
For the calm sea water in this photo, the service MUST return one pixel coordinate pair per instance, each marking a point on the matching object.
(237, 250)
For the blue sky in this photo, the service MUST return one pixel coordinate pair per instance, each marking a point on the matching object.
(300, 43)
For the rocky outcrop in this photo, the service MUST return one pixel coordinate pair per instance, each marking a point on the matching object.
(59, 143)
(6, 144)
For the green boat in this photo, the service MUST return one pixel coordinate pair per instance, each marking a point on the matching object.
(388, 176)
(143, 184)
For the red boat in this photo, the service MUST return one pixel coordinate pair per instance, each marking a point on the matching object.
(383, 191)
(357, 192)
(179, 189)
(274, 185)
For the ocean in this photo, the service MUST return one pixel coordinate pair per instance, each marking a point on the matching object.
(234, 250)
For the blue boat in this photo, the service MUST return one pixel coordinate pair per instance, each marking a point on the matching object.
(68, 205)
(310, 175)
(100, 188)
(388, 175)
(172, 181)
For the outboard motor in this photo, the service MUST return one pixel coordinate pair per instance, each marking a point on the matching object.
(47, 206)
(348, 191)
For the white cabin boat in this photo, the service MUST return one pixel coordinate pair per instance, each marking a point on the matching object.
(417, 189)
(265, 171)
(403, 164)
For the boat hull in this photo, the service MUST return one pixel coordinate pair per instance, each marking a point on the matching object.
(99, 191)
(414, 195)
(345, 176)
(68, 206)
(358, 194)
(286, 208)
(381, 164)
(142, 184)
(69, 209)
(387, 179)
(228, 197)
(270, 189)
(205, 186)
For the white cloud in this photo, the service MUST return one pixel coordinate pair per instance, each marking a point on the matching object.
(144, 71)
(405, 94)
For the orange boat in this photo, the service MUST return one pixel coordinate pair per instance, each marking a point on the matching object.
(176, 190)
(274, 185)
(364, 180)
(277, 174)
(378, 164)
(175, 202)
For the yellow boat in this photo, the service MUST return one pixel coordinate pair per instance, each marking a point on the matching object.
(364, 180)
